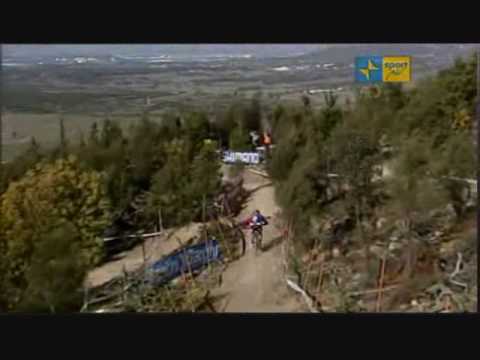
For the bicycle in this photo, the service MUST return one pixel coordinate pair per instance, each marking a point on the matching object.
(257, 237)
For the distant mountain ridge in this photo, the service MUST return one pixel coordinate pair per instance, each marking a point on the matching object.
(256, 50)
(336, 53)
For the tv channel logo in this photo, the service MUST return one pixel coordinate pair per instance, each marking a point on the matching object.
(374, 69)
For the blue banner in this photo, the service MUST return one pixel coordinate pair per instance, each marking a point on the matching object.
(184, 261)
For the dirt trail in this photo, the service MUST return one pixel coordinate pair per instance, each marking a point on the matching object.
(255, 283)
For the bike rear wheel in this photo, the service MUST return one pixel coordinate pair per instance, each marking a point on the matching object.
(257, 241)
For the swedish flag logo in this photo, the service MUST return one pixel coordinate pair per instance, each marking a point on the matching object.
(368, 69)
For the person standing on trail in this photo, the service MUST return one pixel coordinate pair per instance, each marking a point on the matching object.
(267, 141)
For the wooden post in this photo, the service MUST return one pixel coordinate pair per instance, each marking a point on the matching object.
(226, 205)
(144, 255)
(204, 208)
(160, 221)
(477, 110)
(380, 284)
(204, 214)
(309, 267)
(478, 73)
(320, 279)
(169, 295)
(1, 124)
(85, 299)
(63, 140)
(144, 266)
(124, 283)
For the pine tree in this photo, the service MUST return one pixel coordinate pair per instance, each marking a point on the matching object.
(170, 187)
(205, 172)
(111, 133)
(55, 277)
(252, 114)
(240, 140)
(63, 140)
(93, 138)
(82, 144)
(34, 148)
(413, 192)
(306, 102)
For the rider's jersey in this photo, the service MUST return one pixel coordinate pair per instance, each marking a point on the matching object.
(258, 220)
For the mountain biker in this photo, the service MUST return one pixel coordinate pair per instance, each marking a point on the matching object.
(256, 223)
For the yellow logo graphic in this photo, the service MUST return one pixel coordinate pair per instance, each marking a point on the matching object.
(397, 69)
(370, 67)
